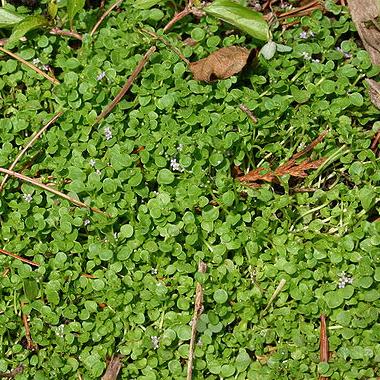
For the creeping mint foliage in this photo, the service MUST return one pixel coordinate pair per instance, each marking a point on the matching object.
(162, 166)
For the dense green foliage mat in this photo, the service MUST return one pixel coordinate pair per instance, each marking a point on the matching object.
(176, 202)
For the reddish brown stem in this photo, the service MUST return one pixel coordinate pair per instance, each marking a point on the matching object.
(28, 145)
(198, 308)
(296, 10)
(127, 85)
(30, 65)
(177, 17)
(3, 251)
(30, 345)
(67, 33)
(375, 142)
(104, 15)
(324, 344)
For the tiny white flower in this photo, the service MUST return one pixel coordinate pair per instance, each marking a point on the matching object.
(306, 56)
(86, 222)
(155, 342)
(36, 61)
(153, 271)
(108, 133)
(116, 235)
(28, 197)
(303, 35)
(315, 60)
(176, 166)
(92, 162)
(98, 172)
(101, 75)
(180, 147)
(344, 280)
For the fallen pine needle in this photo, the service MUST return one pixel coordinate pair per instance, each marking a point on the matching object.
(275, 294)
(19, 258)
(28, 145)
(30, 65)
(198, 308)
(104, 15)
(127, 85)
(49, 189)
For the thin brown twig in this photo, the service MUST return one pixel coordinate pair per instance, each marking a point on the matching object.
(177, 17)
(324, 344)
(28, 145)
(168, 44)
(30, 65)
(19, 258)
(104, 15)
(248, 112)
(127, 85)
(49, 189)
(66, 33)
(188, 9)
(30, 345)
(296, 10)
(198, 309)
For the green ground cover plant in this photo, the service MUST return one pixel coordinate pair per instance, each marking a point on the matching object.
(162, 167)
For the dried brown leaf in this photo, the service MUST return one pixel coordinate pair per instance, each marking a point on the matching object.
(291, 167)
(365, 15)
(221, 64)
(374, 92)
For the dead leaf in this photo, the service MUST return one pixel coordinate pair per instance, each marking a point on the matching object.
(365, 15)
(221, 64)
(291, 167)
(374, 92)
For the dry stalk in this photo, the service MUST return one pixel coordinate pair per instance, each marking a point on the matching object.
(324, 344)
(104, 15)
(126, 86)
(3, 251)
(198, 308)
(30, 65)
(294, 12)
(66, 33)
(28, 145)
(30, 345)
(49, 189)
